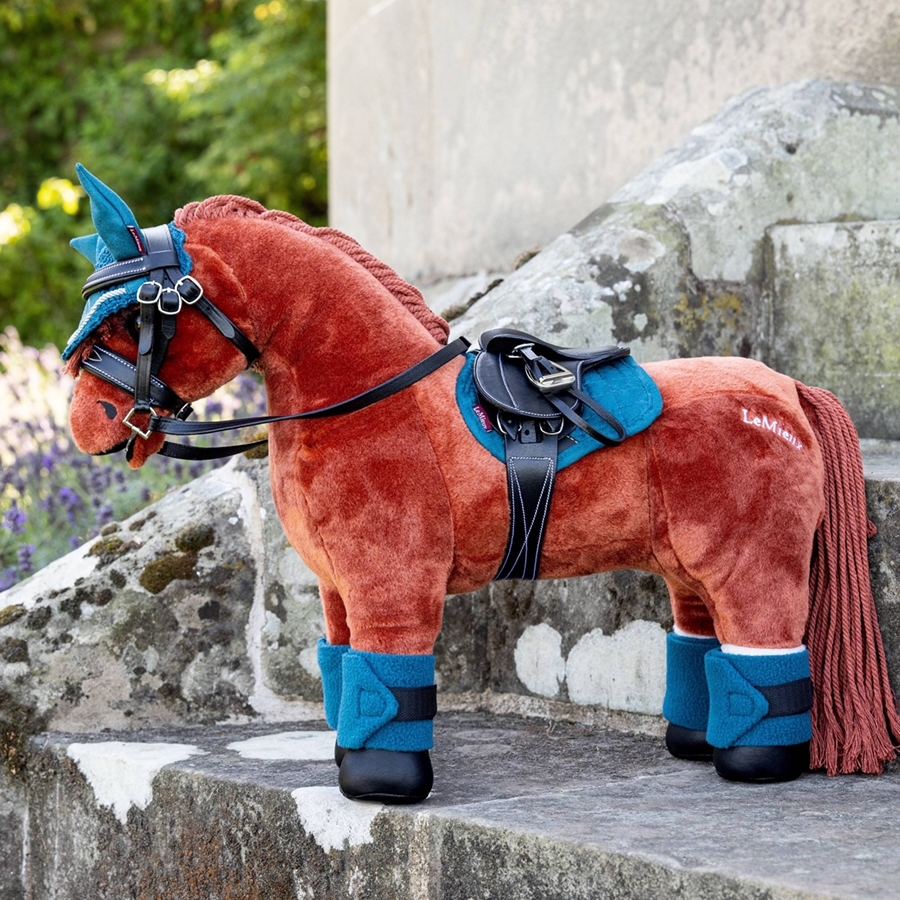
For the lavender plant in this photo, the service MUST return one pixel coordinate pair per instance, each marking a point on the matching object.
(53, 497)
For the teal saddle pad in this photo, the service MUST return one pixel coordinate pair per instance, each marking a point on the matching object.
(622, 387)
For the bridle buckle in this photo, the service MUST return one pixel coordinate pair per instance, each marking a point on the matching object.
(137, 432)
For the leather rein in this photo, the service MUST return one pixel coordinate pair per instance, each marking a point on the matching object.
(161, 297)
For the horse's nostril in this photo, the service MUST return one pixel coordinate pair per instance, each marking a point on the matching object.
(108, 408)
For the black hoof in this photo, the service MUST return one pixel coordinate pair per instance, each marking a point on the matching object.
(339, 752)
(389, 776)
(762, 764)
(685, 743)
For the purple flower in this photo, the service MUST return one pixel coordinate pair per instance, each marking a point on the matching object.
(8, 577)
(14, 520)
(104, 514)
(24, 554)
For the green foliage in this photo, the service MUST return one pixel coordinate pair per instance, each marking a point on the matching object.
(41, 277)
(166, 101)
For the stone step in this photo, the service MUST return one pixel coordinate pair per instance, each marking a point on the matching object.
(522, 808)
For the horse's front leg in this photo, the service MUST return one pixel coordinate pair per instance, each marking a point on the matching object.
(377, 515)
(388, 695)
(381, 703)
(331, 650)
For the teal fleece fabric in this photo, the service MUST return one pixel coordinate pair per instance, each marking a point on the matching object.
(737, 711)
(687, 696)
(331, 664)
(368, 707)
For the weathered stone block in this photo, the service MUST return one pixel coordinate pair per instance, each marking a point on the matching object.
(13, 829)
(290, 620)
(673, 263)
(146, 624)
(521, 808)
(597, 640)
(835, 295)
(882, 466)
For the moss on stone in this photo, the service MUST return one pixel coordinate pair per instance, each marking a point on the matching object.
(137, 524)
(72, 605)
(13, 650)
(17, 724)
(10, 614)
(195, 537)
(260, 452)
(117, 578)
(38, 618)
(108, 546)
(163, 570)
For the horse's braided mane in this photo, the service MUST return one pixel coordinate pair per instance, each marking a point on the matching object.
(228, 206)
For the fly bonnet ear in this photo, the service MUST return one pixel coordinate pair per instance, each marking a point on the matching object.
(118, 239)
(116, 225)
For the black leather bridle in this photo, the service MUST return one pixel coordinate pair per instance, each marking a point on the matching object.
(161, 297)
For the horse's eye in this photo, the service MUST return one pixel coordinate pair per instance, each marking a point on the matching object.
(133, 325)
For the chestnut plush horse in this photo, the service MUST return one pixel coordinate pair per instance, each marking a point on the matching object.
(745, 494)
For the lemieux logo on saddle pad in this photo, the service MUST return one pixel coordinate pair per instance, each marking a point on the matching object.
(622, 387)
(482, 417)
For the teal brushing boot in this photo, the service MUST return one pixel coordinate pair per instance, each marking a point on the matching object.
(388, 704)
(759, 715)
(686, 705)
(331, 663)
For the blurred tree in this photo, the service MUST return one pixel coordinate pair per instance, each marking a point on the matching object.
(165, 100)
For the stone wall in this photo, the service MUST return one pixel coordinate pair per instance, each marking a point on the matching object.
(695, 255)
(463, 133)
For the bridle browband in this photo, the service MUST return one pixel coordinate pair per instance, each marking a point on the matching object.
(161, 297)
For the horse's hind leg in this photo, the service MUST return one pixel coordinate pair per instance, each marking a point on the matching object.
(686, 705)
(758, 680)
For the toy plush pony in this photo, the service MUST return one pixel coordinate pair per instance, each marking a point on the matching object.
(744, 492)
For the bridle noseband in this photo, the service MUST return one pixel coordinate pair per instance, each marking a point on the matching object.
(161, 297)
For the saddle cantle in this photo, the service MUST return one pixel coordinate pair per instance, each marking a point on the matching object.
(536, 394)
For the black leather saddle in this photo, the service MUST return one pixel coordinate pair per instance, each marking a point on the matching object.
(533, 393)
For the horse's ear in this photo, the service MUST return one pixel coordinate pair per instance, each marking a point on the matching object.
(87, 247)
(115, 222)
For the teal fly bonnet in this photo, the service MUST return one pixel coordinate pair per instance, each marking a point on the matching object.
(118, 239)
(150, 269)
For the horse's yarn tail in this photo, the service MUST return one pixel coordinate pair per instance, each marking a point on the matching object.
(856, 725)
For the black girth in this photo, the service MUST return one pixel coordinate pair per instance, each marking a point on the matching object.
(532, 391)
(161, 298)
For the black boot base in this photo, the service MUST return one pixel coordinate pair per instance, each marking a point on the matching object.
(762, 765)
(339, 753)
(386, 776)
(686, 743)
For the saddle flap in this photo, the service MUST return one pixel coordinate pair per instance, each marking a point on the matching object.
(503, 383)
